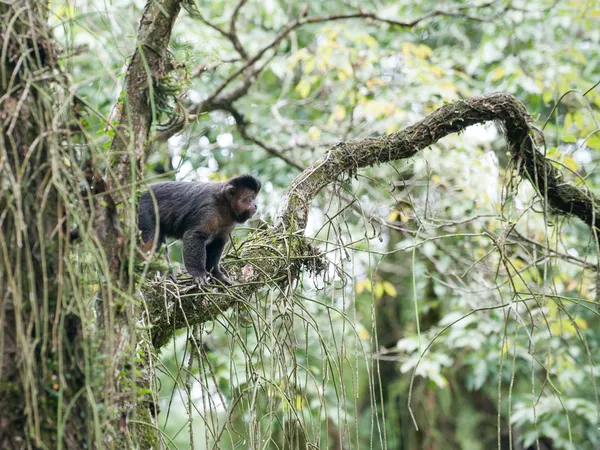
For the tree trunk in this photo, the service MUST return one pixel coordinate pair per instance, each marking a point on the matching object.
(42, 380)
(75, 372)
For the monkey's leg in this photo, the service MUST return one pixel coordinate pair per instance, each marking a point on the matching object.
(213, 256)
(194, 255)
(171, 273)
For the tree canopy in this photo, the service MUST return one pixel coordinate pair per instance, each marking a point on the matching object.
(423, 270)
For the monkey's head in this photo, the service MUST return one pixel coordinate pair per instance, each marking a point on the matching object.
(241, 192)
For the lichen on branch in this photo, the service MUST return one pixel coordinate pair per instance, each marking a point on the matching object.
(347, 157)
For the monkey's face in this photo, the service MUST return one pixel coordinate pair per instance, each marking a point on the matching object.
(244, 205)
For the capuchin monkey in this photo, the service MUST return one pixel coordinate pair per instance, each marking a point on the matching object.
(203, 215)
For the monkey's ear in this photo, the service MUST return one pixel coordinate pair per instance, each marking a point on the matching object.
(229, 191)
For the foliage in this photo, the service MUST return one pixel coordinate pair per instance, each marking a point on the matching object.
(452, 288)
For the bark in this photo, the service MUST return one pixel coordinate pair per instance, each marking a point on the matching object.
(69, 378)
(284, 244)
(137, 414)
(346, 158)
(40, 351)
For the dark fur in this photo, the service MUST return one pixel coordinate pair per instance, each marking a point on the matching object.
(201, 214)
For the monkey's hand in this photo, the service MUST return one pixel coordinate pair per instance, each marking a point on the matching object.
(201, 279)
(218, 275)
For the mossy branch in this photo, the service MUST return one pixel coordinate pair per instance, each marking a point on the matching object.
(267, 258)
(146, 67)
(343, 159)
(347, 157)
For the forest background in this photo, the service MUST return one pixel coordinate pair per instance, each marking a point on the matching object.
(423, 270)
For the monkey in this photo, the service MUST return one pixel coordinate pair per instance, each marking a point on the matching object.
(202, 215)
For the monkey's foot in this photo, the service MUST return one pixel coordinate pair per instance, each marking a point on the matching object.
(222, 278)
(201, 279)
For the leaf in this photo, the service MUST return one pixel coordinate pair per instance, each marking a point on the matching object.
(407, 48)
(370, 40)
(568, 120)
(593, 142)
(393, 216)
(547, 97)
(314, 133)
(436, 71)
(570, 163)
(360, 287)
(569, 138)
(300, 55)
(303, 88)
(339, 113)
(65, 12)
(497, 74)
(389, 288)
(309, 66)
(581, 323)
(424, 51)
(364, 335)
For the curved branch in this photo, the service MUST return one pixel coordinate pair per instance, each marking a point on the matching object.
(345, 158)
(281, 251)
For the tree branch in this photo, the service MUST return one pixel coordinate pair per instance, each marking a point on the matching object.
(276, 256)
(214, 100)
(346, 158)
(131, 140)
(146, 67)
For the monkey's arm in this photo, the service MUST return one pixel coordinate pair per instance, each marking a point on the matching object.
(194, 254)
(213, 255)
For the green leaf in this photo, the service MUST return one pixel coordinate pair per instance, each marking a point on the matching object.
(389, 288)
(303, 88)
(593, 142)
(547, 97)
(571, 163)
(497, 74)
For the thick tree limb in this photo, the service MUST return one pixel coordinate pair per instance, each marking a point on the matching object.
(131, 141)
(267, 258)
(146, 67)
(344, 159)
(347, 157)
(128, 151)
